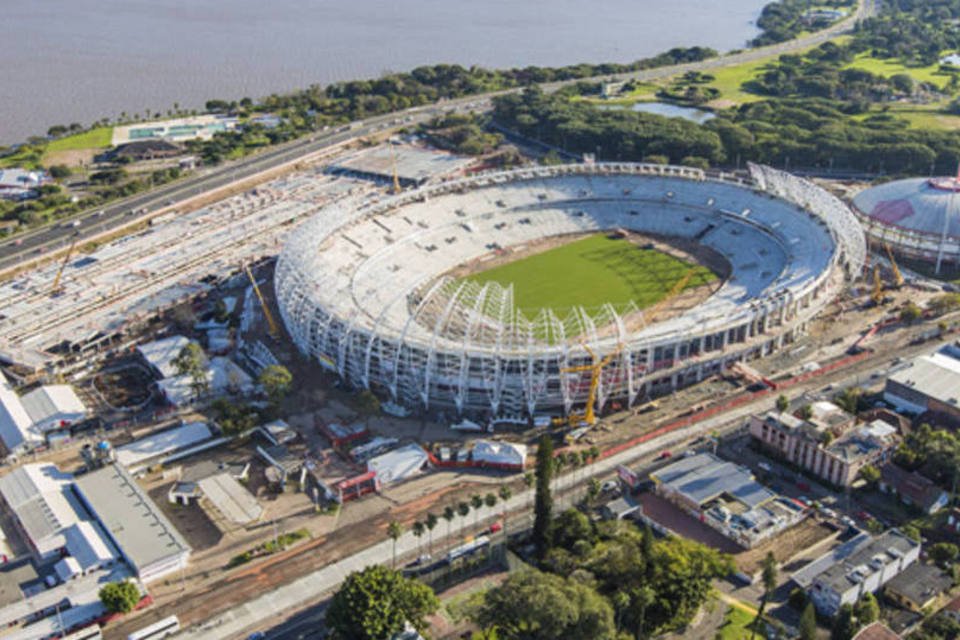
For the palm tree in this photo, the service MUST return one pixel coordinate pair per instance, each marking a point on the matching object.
(476, 502)
(448, 515)
(490, 500)
(769, 580)
(394, 530)
(431, 523)
(463, 509)
(505, 494)
(418, 529)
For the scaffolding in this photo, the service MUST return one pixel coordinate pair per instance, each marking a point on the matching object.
(362, 289)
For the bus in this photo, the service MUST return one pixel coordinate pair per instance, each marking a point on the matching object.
(157, 630)
(468, 549)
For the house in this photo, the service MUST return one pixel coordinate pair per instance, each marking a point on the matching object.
(621, 508)
(929, 384)
(21, 184)
(877, 631)
(135, 526)
(826, 445)
(25, 420)
(918, 587)
(862, 565)
(139, 150)
(913, 488)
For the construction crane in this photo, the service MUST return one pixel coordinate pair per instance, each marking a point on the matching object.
(675, 290)
(396, 174)
(57, 289)
(897, 276)
(595, 368)
(877, 294)
(274, 331)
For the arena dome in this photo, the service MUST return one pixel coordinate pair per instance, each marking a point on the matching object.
(370, 292)
(919, 218)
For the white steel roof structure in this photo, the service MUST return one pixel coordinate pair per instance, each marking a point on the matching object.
(399, 464)
(40, 498)
(162, 443)
(51, 406)
(362, 290)
(16, 426)
(231, 498)
(918, 217)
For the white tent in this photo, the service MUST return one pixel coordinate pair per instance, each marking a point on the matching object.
(399, 464)
(53, 406)
(506, 453)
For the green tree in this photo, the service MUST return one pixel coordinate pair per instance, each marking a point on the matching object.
(531, 605)
(870, 475)
(375, 603)
(449, 513)
(505, 493)
(418, 530)
(944, 553)
(783, 403)
(463, 509)
(805, 412)
(867, 610)
(543, 506)
(276, 380)
(490, 500)
(394, 530)
(119, 597)
(192, 362)
(844, 624)
(570, 527)
(808, 623)
(476, 501)
(367, 403)
(910, 313)
(431, 522)
(769, 581)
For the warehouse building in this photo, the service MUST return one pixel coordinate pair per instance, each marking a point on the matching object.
(930, 383)
(861, 565)
(726, 497)
(145, 538)
(43, 507)
(25, 420)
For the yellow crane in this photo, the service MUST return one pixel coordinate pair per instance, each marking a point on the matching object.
(274, 331)
(677, 287)
(595, 368)
(57, 289)
(897, 276)
(877, 294)
(396, 174)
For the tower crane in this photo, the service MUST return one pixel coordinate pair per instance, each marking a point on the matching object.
(57, 289)
(877, 293)
(897, 276)
(396, 174)
(271, 323)
(595, 368)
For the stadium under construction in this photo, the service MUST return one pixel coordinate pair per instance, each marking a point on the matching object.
(372, 292)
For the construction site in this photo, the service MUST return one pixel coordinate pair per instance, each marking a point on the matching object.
(250, 483)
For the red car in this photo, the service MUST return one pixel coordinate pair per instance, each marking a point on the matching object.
(496, 527)
(665, 455)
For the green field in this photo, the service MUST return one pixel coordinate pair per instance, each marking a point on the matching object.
(93, 139)
(591, 272)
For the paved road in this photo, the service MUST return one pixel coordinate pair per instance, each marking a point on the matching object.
(43, 242)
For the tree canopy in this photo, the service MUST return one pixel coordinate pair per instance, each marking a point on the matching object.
(119, 597)
(375, 603)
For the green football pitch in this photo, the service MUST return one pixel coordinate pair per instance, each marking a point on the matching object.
(591, 272)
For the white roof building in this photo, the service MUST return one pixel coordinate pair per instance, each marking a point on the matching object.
(53, 406)
(143, 535)
(87, 543)
(160, 354)
(399, 464)
(159, 444)
(223, 376)
(231, 498)
(43, 505)
(501, 453)
(16, 427)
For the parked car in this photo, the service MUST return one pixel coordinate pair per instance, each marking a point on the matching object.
(609, 486)
(664, 455)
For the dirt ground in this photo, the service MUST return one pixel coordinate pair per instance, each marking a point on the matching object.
(785, 545)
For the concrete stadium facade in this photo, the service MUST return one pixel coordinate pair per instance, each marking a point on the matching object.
(362, 290)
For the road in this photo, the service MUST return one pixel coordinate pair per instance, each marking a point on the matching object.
(308, 589)
(44, 242)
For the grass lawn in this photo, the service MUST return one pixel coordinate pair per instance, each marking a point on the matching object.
(734, 625)
(93, 139)
(890, 67)
(591, 272)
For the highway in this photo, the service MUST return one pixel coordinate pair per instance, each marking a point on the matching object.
(46, 241)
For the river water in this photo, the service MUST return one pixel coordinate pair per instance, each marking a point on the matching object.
(65, 61)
